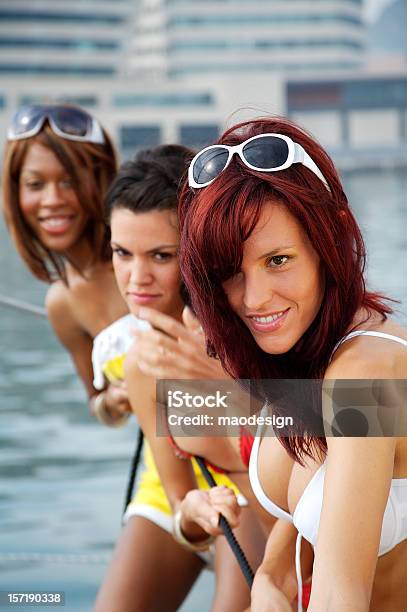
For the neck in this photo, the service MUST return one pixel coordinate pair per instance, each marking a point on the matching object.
(80, 256)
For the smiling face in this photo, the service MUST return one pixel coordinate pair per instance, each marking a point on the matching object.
(279, 289)
(145, 259)
(48, 200)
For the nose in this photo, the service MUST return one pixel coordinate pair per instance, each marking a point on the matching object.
(257, 292)
(140, 273)
(52, 195)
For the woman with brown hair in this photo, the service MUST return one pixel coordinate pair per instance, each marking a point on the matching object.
(141, 207)
(58, 164)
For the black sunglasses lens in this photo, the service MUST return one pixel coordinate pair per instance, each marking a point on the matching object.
(71, 121)
(26, 119)
(209, 165)
(268, 152)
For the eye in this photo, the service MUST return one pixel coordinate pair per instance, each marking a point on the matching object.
(67, 183)
(277, 261)
(120, 252)
(34, 184)
(163, 256)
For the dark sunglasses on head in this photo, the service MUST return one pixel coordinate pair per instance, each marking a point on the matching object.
(265, 153)
(66, 121)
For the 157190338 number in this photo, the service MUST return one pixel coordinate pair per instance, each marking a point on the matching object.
(33, 598)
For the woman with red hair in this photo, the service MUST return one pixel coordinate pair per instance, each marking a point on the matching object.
(274, 262)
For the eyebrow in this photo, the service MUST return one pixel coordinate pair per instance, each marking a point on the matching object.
(159, 247)
(40, 172)
(32, 170)
(275, 251)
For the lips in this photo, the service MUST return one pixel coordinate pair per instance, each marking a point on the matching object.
(57, 224)
(142, 298)
(268, 322)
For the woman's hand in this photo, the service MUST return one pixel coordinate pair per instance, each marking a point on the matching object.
(172, 350)
(117, 399)
(266, 597)
(204, 508)
(111, 406)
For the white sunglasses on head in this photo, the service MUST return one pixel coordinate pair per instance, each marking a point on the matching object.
(265, 153)
(69, 122)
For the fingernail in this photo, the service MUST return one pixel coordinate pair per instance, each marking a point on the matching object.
(142, 313)
(214, 521)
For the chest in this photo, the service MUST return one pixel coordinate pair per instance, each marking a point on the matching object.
(282, 480)
(96, 301)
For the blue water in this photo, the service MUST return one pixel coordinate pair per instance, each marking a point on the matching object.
(62, 476)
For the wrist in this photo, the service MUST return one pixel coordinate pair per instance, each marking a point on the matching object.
(286, 582)
(100, 409)
(188, 541)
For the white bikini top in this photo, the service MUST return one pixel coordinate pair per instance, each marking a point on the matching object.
(307, 513)
(112, 342)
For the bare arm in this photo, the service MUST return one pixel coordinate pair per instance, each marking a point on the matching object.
(357, 482)
(275, 582)
(79, 345)
(69, 332)
(200, 508)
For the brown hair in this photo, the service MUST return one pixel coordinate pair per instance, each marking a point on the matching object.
(97, 162)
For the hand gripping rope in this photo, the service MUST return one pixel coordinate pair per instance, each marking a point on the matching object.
(227, 530)
(223, 523)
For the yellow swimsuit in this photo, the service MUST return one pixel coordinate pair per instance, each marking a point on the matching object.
(150, 501)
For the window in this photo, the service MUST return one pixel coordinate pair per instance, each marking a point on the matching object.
(187, 21)
(35, 69)
(260, 45)
(302, 96)
(89, 101)
(60, 43)
(49, 16)
(378, 93)
(198, 135)
(187, 99)
(135, 137)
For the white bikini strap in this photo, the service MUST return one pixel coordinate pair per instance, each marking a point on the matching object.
(364, 332)
(298, 570)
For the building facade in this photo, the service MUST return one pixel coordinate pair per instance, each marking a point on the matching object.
(196, 67)
(184, 38)
(68, 38)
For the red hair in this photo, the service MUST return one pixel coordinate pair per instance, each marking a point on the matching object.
(215, 222)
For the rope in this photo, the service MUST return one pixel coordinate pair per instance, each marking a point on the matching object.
(227, 530)
(24, 306)
(133, 469)
(63, 558)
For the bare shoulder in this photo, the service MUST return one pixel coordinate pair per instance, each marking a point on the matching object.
(57, 297)
(372, 356)
(60, 311)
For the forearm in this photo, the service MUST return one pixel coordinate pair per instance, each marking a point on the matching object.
(339, 586)
(279, 559)
(339, 597)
